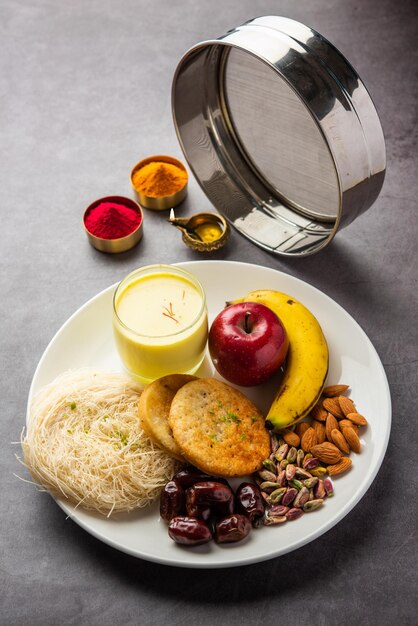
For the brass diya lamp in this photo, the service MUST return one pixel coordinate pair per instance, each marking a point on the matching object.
(203, 232)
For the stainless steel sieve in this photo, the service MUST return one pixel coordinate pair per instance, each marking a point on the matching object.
(280, 132)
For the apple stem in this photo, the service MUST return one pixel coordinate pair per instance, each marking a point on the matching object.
(247, 328)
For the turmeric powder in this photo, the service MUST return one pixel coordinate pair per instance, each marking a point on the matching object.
(158, 179)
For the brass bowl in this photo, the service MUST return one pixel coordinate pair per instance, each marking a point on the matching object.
(122, 244)
(159, 203)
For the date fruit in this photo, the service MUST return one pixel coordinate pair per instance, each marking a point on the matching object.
(172, 501)
(232, 528)
(188, 476)
(194, 509)
(189, 531)
(212, 495)
(249, 502)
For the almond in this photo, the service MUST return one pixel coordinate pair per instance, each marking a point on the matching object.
(319, 413)
(334, 390)
(333, 406)
(345, 423)
(326, 452)
(357, 419)
(338, 468)
(291, 438)
(302, 427)
(309, 439)
(346, 405)
(319, 429)
(339, 440)
(352, 438)
(330, 425)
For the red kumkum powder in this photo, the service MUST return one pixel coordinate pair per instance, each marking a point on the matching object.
(111, 220)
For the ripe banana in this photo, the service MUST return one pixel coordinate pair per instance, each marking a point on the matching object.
(307, 359)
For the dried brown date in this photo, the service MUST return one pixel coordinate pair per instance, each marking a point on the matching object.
(189, 531)
(249, 502)
(232, 528)
(172, 501)
(212, 495)
(189, 476)
(193, 509)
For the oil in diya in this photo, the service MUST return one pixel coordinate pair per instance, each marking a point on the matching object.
(202, 232)
(160, 322)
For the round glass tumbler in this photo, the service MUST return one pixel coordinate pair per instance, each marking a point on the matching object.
(160, 322)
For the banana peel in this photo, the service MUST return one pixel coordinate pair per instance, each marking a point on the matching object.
(307, 359)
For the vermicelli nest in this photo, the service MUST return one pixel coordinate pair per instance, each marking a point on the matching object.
(84, 441)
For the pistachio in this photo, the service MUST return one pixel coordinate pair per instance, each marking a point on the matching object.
(289, 496)
(319, 489)
(312, 505)
(276, 496)
(272, 520)
(311, 494)
(269, 465)
(278, 510)
(302, 473)
(310, 482)
(282, 452)
(268, 486)
(319, 471)
(310, 463)
(283, 464)
(299, 457)
(274, 443)
(267, 475)
(281, 479)
(329, 487)
(294, 514)
(302, 497)
(296, 483)
(292, 454)
(290, 471)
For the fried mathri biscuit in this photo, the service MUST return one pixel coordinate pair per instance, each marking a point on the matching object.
(218, 429)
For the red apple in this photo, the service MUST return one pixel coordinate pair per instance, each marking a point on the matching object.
(247, 343)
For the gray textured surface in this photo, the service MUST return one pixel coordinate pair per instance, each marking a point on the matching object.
(85, 92)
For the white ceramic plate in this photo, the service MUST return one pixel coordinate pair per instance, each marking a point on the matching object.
(86, 340)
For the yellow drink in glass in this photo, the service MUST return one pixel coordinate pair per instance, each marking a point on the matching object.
(160, 322)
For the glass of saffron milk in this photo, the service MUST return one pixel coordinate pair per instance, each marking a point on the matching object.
(160, 322)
